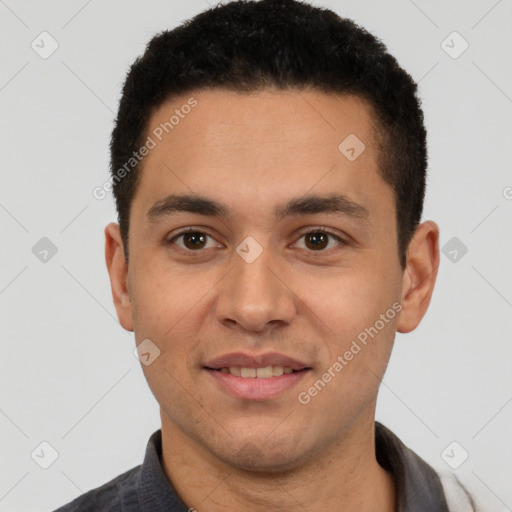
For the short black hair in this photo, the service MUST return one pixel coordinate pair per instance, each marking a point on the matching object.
(246, 46)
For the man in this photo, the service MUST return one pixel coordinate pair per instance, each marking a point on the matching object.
(268, 165)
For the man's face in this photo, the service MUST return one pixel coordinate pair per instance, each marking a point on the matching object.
(292, 290)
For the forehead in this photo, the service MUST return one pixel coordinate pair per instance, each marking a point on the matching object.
(270, 116)
(271, 144)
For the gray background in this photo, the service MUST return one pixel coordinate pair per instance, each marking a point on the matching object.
(68, 375)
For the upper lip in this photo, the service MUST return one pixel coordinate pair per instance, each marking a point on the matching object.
(243, 360)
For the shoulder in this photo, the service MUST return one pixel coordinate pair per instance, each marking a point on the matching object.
(458, 498)
(420, 486)
(107, 497)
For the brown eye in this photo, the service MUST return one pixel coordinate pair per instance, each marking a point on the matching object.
(317, 240)
(194, 240)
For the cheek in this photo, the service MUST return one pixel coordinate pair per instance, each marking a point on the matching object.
(356, 339)
(346, 302)
(163, 297)
(358, 325)
(165, 305)
(169, 308)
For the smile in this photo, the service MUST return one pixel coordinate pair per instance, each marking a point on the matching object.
(256, 384)
(265, 372)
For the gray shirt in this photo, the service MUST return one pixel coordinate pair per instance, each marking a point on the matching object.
(146, 488)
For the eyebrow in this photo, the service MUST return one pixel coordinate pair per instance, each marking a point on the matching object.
(186, 203)
(333, 203)
(303, 205)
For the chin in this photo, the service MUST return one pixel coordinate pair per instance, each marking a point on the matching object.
(264, 457)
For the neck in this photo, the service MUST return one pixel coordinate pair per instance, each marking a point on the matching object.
(346, 476)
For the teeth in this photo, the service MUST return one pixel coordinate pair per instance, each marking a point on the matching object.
(234, 370)
(264, 373)
(277, 371)
(260, 373)
(248, 372)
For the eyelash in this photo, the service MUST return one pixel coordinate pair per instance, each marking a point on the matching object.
(324, 230)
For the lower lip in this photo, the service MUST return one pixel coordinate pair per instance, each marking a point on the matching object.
(255, 388)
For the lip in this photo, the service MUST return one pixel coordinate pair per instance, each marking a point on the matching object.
(255, 361)
(256, 389)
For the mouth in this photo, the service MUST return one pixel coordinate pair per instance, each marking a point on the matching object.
(264, 372)
(256, 378)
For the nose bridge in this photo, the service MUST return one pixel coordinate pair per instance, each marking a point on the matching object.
(252, 295)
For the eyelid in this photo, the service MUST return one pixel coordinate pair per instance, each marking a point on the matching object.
(190, 229)
(305, 231)
(315, 229)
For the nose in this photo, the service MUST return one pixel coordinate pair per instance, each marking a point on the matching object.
(255, 296)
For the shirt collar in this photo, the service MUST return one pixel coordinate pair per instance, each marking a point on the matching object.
(418, 487)
(154, 491)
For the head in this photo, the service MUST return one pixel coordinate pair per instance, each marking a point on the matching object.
(292, 146)
(250, 46)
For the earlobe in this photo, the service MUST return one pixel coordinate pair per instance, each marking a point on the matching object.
(118, 273)
(419, 276)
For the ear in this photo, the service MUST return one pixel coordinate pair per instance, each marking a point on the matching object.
(419, 276)
(118, 272)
